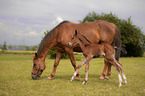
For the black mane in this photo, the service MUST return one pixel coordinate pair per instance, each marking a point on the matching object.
(85, 38)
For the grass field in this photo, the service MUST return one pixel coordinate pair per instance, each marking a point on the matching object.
(15, 78)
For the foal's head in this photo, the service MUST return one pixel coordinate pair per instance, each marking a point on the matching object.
(75, 40)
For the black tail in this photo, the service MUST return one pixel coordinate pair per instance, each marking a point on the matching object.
(117, 43)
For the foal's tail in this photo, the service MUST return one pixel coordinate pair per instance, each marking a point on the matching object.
(121, 48)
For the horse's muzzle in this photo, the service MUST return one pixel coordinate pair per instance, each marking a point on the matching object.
(35, 77)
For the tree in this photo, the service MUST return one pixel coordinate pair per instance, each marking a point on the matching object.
(52, 52)
(4, 46)
(132, 38)
(34, 48)
(27, 48)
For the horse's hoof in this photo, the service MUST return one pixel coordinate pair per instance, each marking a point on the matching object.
(84, 82)
(101, 79)
(125, 82)
(76, 79)
(106, 78)
(49, 78)
(120, 85)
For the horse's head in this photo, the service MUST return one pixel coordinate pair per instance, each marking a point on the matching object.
(38, 67)
(74, 40)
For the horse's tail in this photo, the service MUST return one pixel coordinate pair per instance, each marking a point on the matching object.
(117, 43)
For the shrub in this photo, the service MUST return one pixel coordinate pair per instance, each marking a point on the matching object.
(132, 38)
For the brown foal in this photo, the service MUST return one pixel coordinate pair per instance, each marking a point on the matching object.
(93, 51)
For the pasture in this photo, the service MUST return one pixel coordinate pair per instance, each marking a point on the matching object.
(15, 78)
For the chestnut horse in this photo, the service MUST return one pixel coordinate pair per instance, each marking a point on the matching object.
(97, 32)
(93, 51)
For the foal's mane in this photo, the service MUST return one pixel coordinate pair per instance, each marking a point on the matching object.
(85, 37)
(47, 38)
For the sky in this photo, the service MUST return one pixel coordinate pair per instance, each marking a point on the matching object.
(23, 22)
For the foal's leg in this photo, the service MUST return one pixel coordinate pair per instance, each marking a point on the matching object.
(108, 71)
(58, 57)
(105, 68)
(86, 69)
(79, 66)
(118, 71)
(124, 77)
(72, 59)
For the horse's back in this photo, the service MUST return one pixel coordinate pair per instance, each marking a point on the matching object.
(95, 32)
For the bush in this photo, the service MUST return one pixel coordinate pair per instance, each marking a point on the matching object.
(52, 54)
(132, 38)
(52, 51)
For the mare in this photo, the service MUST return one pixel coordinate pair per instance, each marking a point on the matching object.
(94, 51)
(97, 32)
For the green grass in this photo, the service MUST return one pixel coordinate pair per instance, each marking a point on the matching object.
(15, 78)
(15, 52)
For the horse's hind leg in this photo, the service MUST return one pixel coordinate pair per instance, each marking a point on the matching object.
(79, 66)
(58, 57)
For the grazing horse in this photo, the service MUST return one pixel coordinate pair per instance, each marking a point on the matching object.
(97, 32)
(96, 50)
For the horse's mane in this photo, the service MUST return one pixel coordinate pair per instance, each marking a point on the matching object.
(48, 36)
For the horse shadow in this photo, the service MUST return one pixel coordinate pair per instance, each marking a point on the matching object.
(93, 78)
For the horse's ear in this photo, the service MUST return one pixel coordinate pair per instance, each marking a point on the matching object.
(36, 55)
(76, 32)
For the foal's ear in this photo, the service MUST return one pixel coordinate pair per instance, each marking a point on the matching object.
(76, 32)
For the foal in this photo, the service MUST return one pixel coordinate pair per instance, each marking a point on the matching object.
(96, 50)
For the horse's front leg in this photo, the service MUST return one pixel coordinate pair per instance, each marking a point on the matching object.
(79, 66)
(86, 70)
(58, 57)
(72, 59)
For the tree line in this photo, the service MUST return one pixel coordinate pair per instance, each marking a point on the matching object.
(133, 39)
(18, 47)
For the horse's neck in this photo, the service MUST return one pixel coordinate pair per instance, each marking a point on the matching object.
(44, 52)
(46, 44)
